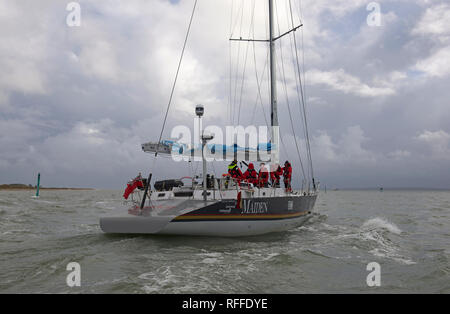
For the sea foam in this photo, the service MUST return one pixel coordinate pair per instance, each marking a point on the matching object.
(381, 223)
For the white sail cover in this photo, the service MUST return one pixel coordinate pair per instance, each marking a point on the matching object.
(262, 153)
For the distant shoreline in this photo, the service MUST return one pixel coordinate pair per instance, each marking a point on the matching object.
(20, 187)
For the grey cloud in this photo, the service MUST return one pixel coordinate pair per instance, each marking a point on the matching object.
(76, 103)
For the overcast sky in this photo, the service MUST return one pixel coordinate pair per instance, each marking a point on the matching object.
(77, 102)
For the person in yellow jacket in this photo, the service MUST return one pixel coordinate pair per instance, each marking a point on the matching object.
(234, 171)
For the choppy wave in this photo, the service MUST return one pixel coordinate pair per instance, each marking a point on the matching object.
(376, 231)
(377, 237)
(381, 224)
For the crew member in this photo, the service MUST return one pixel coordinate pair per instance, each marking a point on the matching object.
(234, 171)
(287, 175)
(250, 175)
(263, 176)
(275, 177)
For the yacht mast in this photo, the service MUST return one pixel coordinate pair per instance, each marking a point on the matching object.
(275, 132)
(273, 89)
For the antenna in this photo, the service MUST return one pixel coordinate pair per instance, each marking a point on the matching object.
(200, 111)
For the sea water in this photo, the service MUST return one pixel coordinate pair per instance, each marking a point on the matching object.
(407, 233)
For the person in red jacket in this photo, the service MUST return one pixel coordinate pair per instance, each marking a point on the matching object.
(263, 176)
(275, 177)
(287, 176)
(235, 172)
(250, 175)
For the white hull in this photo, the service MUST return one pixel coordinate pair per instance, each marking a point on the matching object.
(232, 228)
(227, 218)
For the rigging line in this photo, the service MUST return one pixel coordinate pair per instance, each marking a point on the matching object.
(230, 63)
(281, 138)
(229, 81)
(214, 183)
(197, 163)
(258, 82)
(298, 84)
(259, 95)
(176, 76)
(303, 55)
(287, 96)
(304, 100)
(231, 58)
(257, 78)
(300, 10)
(284, 148)
(267, 29)
(231, 17)
(233, 28)
(245, 63)
(300, 14)
(269, 87)
(233, 107)
(191, 167)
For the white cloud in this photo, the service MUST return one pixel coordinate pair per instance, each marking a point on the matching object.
(8, 10)
(22, 52)
(22, 76)
(348, 149)
(438, 142)
(351, 145)
(341, 81)
(437, 65)
(434, 25)
(98, 59)
(324, 147)
(434, 22)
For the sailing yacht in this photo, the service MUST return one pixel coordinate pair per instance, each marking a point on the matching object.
(219, 206)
